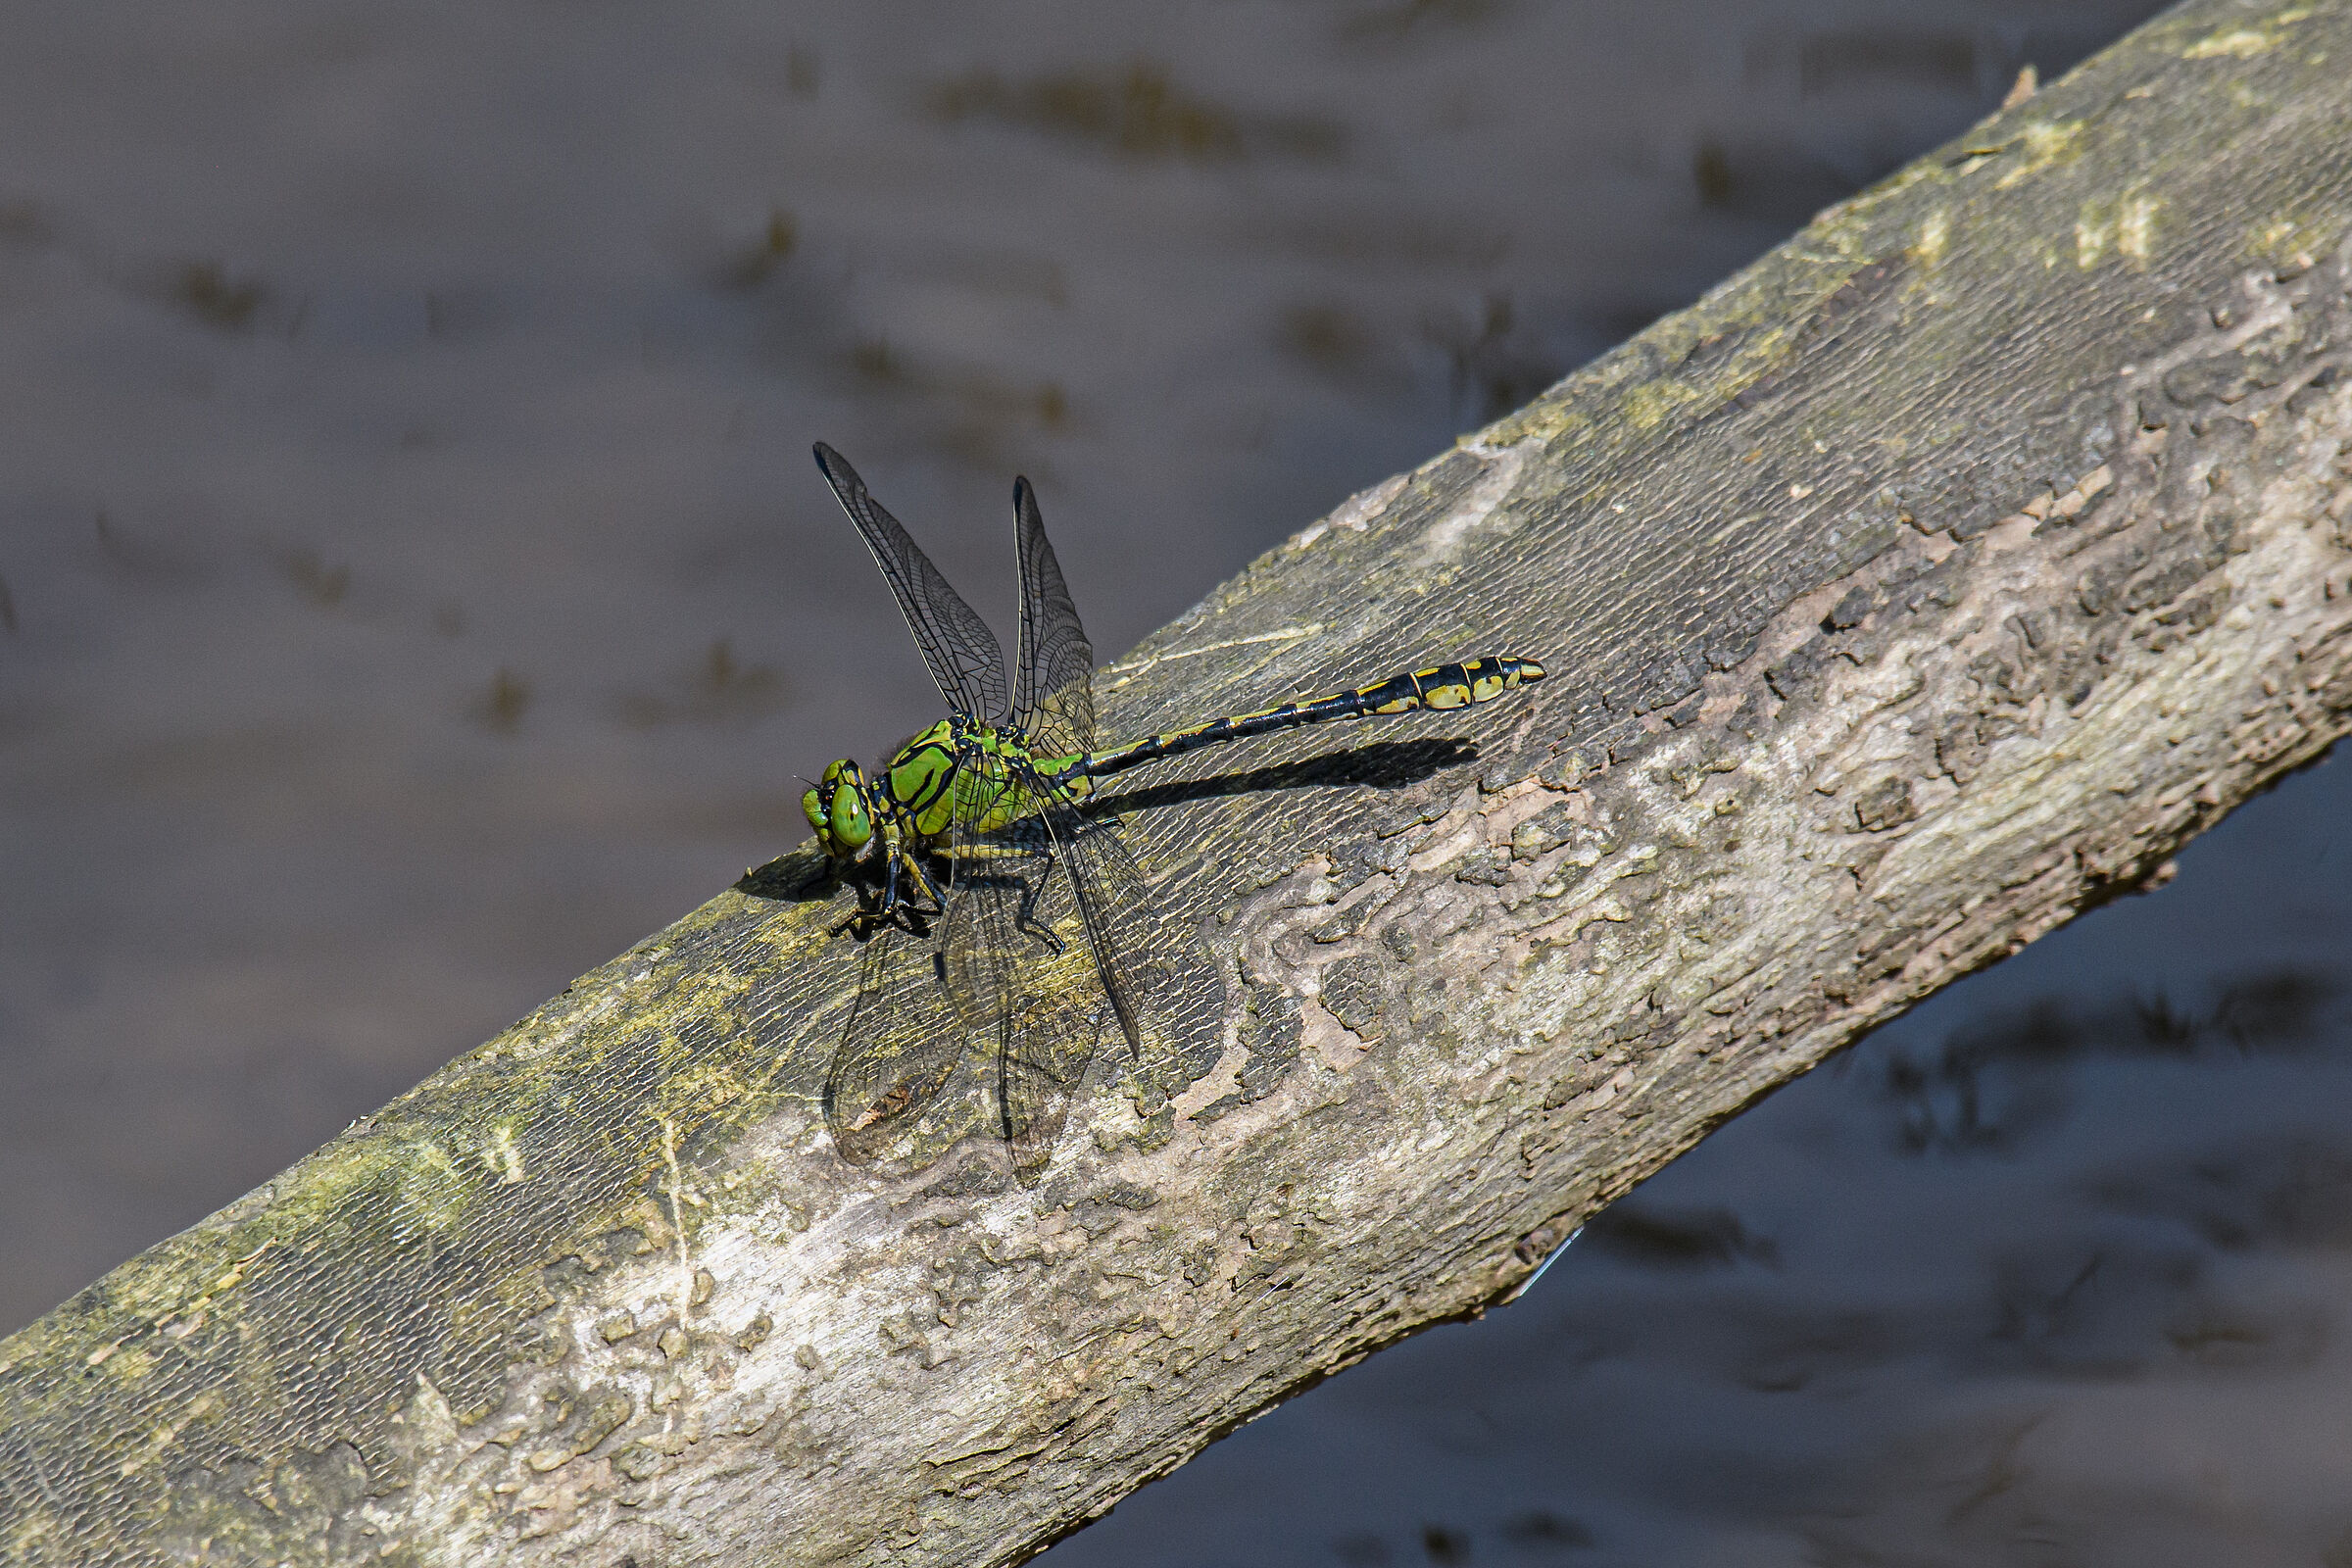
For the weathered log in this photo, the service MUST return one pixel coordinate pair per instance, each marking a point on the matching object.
(1927, 583)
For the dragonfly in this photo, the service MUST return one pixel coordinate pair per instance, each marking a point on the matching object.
(1007, 923)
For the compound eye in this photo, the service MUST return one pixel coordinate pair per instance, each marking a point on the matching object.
(852, 824)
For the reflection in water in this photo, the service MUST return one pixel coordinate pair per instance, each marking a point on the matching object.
(719, 691)
(1135, 111)
(413, 590)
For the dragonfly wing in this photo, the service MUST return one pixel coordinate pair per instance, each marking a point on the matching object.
(1048, 1049)
(901, 1043)
(963, 652)
(1017, 968)
(983, 890)
(1163, 988)
(977, 952)
(1054, 697)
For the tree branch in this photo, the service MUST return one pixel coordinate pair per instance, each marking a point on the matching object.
(1927, 583)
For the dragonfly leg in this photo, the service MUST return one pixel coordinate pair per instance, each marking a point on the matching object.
(860, 921)
(894, 907)
(922, 886)
(979, 854)
(1032, 895)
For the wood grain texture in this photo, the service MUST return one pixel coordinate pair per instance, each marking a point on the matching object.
(1927, 583)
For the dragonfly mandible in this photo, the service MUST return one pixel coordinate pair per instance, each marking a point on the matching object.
(997, 891)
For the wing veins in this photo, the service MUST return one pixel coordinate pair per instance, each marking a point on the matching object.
(1160, 981)
(966, 661)
(893, 1060)
(1055, 699)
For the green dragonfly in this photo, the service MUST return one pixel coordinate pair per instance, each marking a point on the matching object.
(998, 891)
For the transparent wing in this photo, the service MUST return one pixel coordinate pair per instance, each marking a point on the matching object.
(1163, 988)
(1019, 971)
(985, 888)
(1040, 973)
(901, 1047)
(1054, 697)
(994, 880)
(1048, 1048)
(963, 652)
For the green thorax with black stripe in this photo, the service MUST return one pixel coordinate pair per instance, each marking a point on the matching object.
(983, 775)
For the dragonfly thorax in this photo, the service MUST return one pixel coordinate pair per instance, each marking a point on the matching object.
(958, 771)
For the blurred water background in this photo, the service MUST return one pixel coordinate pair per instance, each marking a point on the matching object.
(413, 588)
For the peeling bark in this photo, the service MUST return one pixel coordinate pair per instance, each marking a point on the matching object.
(1925, 584)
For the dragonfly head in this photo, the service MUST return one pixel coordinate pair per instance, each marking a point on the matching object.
(842, 810)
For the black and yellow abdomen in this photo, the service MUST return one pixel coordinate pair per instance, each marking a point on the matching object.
(1439, 686)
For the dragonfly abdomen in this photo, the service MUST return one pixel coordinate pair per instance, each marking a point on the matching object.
(1443, 686)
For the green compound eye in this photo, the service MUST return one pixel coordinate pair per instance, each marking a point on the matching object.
(850, 823)
(839, 810)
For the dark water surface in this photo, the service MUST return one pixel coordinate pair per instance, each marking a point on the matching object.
(413, 588)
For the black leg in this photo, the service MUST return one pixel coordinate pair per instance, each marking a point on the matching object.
(1032, 895)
